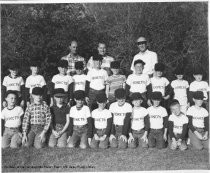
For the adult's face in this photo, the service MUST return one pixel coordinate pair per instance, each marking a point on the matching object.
(142, 44)
(73, 47)
(101, 49)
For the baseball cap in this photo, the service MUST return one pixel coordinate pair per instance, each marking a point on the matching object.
(139, 61)
(37, 91)
(115, 65)
(197, 71)
(159, 67)
(79, 65)
(179, 71)
(79, 95)
(101, 98)
(156, 95)
(13, 66)
(62, 63)
(120, 93)
(59, 92)
(34, 64)
(136, 96)
(174, 102)
(198, 95)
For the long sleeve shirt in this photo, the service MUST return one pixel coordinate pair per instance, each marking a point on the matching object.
(36, 114)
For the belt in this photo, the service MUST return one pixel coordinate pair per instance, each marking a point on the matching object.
(80, 126)
(137, 130)
(156, 129)
(13, 128)
(118, 126)
(100, 129)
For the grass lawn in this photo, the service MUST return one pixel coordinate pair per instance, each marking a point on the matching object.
(48, 159)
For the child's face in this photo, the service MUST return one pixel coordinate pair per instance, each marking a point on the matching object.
(198, 77)
(59, 100)
(115, 71)
(101, 105)
(37, 98)
(156, 103)
(158, 73)
(79, 71)
(180, 76)
(101, 49)
(175, 109)
(136, 103)
(121, 102)
(34, 70)
(62, 70)
(97, 64)
(139, 68)
(11, 99)
(79, 103)
(198, 102)
(13, 72)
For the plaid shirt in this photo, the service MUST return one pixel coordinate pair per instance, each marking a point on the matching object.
(37, 115)
(71, 61)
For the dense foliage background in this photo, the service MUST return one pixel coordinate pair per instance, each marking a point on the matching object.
(177, 31)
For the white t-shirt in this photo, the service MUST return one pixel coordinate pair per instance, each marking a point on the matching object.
(138, 83)
(198, 116)
(79, 82)
(97, 78)
(12, 117)
(180, 90)
(119, 112)
(156, 115)
(159, 84)
(150, 59)
(80, 116)
(100, 118)
(137, 122)
(178, 121)
(34, 81)
(61, 81)
(13, 83)
(200, 86)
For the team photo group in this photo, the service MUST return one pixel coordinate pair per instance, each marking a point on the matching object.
(93, 104)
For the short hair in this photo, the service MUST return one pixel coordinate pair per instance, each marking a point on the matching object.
(120, 93)
(101, 42)
(11, 92)
(174, 102)
(139, 61)
(74, 40)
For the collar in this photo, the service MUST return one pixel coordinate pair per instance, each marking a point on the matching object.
(12, 108)
(145, 52)
(12, 77)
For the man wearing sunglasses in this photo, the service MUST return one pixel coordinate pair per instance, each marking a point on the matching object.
(149, 57)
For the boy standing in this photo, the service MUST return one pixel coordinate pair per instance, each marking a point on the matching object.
(198, 123)
(139, 123)
(12, 116)
(180, 89)
(38, 117)
(138, 82)
(80, 122)
(102, 123)
(177, 127)
(121, 113)
(62, 80)
(158, 118)
(60, 119)
(96, 82)
(15, 83)
(114, 81)
(34, 80)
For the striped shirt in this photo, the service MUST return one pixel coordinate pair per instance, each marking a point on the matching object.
(115, 82)
(71, 62)
(37, 114)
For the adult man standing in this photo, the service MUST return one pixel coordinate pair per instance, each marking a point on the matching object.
(73, 57)
(149, 57)
(106, 61)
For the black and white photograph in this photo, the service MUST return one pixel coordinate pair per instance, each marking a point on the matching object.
(97, 86)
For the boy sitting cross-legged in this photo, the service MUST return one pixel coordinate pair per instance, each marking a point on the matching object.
(38, 117)
(121, 113)
(198, 123)
(102, 123)
(177, 127)
(139, 123)
(158, 118)
(60, 119)
(12, 115)
(80, 122)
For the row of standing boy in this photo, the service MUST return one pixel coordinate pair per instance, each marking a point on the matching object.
(137, 85)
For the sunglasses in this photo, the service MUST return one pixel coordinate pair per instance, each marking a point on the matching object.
(141, 42)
